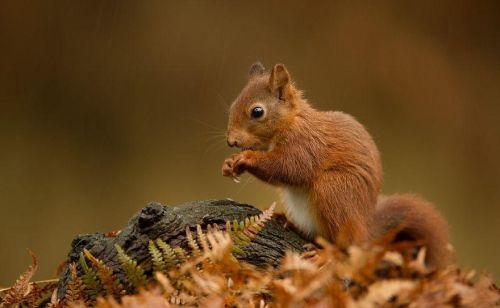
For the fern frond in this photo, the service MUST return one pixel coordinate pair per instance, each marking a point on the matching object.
(233, 233)
(213, 227)
(165, 283)
(21, 288)
(243, 232)
(236, 226)
(40, 292)
(75, 289)
(221, 244)
(33, 297)
(237, 250)
(181, 254)
(266, 215)
(157, 258)
(169, 255)
(133, 272)
(254, 224)
(241, 238)
(54, 301)
(92, 285)
(202, 238)
(110, 283)
(192, 243)
(236, 233)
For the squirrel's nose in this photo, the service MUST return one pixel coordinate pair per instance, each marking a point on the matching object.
(231, 142)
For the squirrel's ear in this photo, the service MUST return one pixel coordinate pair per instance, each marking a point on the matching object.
(279, 80)
(256, 69)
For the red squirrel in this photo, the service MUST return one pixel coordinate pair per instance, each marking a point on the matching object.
(327, 167)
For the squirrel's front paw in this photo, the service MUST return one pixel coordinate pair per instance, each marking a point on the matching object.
(227, 166)
(235, 165)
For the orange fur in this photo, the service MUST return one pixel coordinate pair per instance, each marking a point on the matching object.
(327, 164)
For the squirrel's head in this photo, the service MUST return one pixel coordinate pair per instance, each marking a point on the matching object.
(265, 106)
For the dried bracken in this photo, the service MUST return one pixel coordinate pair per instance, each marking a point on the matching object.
(25, 293)
(170, 257)
(109, 282)
(243, 232)
(134, 273)
(330, 278)
(22, 288)
(156, 257)
(75, 291)
(93, 286)
(208, 275)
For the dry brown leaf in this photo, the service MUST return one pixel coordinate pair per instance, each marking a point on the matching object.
(21, 289)
(386, 291)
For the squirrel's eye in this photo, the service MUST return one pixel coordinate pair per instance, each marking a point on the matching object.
(257, 112)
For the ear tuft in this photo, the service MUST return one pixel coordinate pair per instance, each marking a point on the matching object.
(279, 80)
(256, 69)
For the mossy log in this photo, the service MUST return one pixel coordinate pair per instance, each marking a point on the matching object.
(169, 223)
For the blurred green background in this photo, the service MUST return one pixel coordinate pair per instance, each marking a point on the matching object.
(106, 105)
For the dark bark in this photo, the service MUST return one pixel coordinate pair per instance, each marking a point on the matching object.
(169, 223)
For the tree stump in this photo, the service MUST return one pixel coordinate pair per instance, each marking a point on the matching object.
(169, 223)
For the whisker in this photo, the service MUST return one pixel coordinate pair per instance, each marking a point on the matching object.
(245, 183)
(221, 100)
(213, 146)
(215, 137)
(207, 124)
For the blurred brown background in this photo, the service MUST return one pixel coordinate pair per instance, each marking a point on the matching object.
(106, 105)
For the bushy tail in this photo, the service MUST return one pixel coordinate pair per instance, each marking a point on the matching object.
(418, 220)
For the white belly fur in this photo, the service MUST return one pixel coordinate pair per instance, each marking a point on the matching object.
(297, 207)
